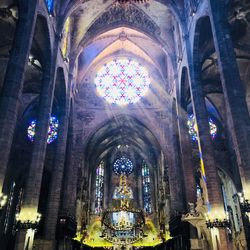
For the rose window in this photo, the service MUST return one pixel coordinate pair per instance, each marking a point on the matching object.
(122, 81)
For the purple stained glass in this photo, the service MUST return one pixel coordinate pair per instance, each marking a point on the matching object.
(122, 81)
(193, 129)
(52, 130)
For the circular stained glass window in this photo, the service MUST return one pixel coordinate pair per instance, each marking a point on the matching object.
(122, 81)
(52, 130)
(192, 127)
(123, 166)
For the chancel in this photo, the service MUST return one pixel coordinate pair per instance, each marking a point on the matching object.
(124, 124)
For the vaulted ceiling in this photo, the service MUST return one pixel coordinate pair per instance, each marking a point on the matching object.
(101, 29)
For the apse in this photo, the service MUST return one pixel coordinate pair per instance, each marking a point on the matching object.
(122, 159)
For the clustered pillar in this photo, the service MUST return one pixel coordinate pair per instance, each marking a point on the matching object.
(188, 168)
(29, 209)
(56, 179)
(212, 193)
(13, 81)
(238, 120)
(236, 106)
(69, 194)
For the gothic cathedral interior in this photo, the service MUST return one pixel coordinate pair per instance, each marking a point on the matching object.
(124, 124)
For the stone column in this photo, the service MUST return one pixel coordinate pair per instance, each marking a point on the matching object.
(70, 181)
(188, 170)
(56, 179)
(34, 180)
(69, 197)
(212, 193)
(174, 173)
(238, 120)
(13, 81)
(236, 106)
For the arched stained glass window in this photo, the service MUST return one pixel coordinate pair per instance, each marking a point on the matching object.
(99, 188)
(50, 5)
(224, 195)
(122, 81)
(52, 130)
(65, 38)
(193, 129)
(146, 186)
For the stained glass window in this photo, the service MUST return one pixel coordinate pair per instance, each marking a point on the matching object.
(65, 39)
(122, 81)
(99, 188)
(146, 189)
(193, 129)
(123, 166)
(50, 5)
(52, 130)
(224, 194)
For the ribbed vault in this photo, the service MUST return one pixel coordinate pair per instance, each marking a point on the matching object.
(122, 130)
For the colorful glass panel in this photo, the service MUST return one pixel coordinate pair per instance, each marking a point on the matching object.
(122, 81)
(50, 5)
(193, 129)
(123, 166)
(99, 188)
(65, 39)
(52, 130)
(146, 189)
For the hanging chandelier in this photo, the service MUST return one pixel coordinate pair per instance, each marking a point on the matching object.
(122, 222)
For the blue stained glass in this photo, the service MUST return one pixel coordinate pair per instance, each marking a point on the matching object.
(50, 5)
(52, 130)
(146, 189)
(122, 81)
(193, 129)
(99, 188)
(123, 166)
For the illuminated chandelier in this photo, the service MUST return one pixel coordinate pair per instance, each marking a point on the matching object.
(122, 222)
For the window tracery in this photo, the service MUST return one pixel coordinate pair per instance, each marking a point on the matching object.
(123, 165)
(146, 185)
(193, 129)
(52, 130)
(99, 188)
(122, 81)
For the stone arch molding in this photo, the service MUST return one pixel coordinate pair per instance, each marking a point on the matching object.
(130, 16)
